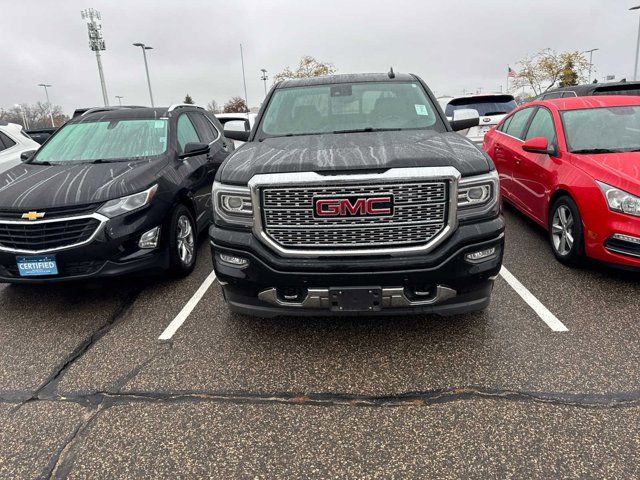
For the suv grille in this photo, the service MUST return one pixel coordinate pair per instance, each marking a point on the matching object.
(38, 236)
(420, 213)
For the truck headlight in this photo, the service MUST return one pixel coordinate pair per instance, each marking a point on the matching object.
(619, 200)
(130, 203)
(478, 194)
(233, 204)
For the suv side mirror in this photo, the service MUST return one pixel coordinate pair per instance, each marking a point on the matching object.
(193, 149)
(26, 156)
(538, 145)
(464, 118)
(240, 135)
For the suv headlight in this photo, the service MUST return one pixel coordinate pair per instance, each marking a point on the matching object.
(233, 204)
(120, 206)
(478, 194)
(619, 200)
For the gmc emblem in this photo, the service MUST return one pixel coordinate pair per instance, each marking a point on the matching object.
(353, 206)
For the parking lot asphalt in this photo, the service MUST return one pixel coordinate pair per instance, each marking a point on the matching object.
(88, 390)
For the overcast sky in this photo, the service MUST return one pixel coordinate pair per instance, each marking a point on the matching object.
(452, 44)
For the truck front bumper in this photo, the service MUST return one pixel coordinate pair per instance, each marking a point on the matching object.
(444, 281)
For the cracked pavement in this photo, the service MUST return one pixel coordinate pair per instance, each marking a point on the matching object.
(88, 391)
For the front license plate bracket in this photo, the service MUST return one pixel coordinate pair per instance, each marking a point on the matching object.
(355, 299)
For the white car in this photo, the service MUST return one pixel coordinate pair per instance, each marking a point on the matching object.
(491, 107)
(237, 122)
(13, 141)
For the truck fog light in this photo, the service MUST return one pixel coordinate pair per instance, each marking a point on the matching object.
(626, 238)
(233, 261)
(480, 255)
(150, 239)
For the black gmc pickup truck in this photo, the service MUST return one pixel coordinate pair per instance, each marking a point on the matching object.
(353, 195)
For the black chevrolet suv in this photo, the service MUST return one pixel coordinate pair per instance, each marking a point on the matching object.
(353, 195)
(115, 190)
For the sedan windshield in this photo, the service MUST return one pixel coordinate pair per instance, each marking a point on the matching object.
(602, 130)
(349, 107)
(105, 140)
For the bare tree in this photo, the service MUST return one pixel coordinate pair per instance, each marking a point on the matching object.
(213, 107)
(545, 69)
(37, 115)
(235, 105)
(307, 67)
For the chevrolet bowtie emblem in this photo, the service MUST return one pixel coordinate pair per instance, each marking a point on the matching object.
(32, 215)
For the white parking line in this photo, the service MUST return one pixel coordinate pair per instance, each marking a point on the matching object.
(177, 322)
(543, 312)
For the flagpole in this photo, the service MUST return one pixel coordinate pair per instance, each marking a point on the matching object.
(508, 71)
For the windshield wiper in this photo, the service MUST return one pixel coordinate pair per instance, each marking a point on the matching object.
(368, 129)
(596, 150)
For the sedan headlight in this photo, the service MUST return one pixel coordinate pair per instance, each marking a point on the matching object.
(120, 206)
(477, 195)
(619, 200)
(233, 204)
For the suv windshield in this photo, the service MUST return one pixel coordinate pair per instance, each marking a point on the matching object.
(349, 107)
(486, 106)
(602, 130)
(105, 140)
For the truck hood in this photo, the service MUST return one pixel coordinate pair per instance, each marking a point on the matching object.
(31, 186)
(354, 151)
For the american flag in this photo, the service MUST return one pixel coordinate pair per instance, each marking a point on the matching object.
(512, 73)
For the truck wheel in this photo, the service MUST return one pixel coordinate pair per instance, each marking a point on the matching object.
(565, 231)
(183, 251)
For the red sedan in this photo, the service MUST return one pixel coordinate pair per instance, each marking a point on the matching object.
(573, 166)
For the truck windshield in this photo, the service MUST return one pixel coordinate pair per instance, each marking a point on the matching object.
(602, 130)
(105, 140)
(349, 107)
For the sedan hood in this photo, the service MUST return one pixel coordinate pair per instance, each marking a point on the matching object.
(31, 186)
(353, 151)
(620, 170)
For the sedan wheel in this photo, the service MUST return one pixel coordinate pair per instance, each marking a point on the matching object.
(562, 230)
(566, 231)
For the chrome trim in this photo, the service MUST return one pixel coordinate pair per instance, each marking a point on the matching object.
(392, 297)
(619, 251)
(308, 179)
(101, 218)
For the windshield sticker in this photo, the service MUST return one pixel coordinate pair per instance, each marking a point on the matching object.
(421, 110)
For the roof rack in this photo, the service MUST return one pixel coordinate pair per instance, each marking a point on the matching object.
(102, 109)
(182, 105)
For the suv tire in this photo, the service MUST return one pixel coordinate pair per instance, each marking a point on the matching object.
(183, 248)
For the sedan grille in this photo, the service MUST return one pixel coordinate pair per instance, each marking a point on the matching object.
(419, 214)
(40, 236)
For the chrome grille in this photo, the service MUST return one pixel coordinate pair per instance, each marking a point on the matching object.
(420, 213)
(51, 235)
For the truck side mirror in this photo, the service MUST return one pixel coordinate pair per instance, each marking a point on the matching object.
(464, 118)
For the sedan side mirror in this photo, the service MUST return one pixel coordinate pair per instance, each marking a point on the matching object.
(538, 145)
(464, 118)
(193, 149)
(28, 155)
(240, 135)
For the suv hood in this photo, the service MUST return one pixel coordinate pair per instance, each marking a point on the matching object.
(354, 151)
(31, 186)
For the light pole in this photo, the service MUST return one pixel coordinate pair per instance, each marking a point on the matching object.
(146, 66)
(635, 69)
(24, 117)
(46, 92)
(119, 97)
(244, 79)
(264, 78)
(590, 52)
(96, 44)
